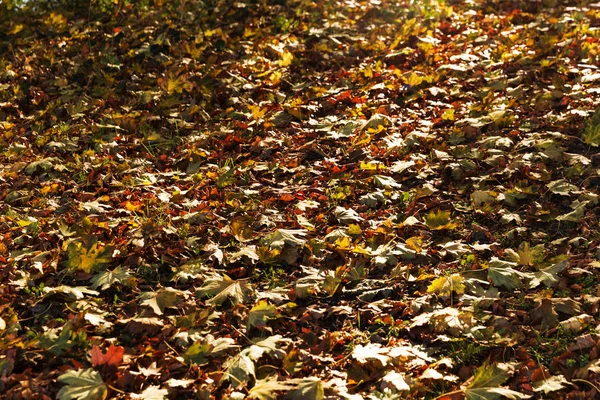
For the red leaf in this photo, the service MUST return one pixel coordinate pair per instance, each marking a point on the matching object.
(113, 356)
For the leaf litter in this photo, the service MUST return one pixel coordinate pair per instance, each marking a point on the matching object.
(302, 200)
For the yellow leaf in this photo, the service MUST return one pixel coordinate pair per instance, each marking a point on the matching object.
(16, 29)
(343, 243)
(415, 243)
(241, 227)
(286, 59)
(413, 79)
(354, 230)
(257, 111)
(371, 166)
(445, 285)
(132, 207)
(360, 250)
(87, 256)
(275, 77)
(448, 114)
(438, 220)
(260, 313)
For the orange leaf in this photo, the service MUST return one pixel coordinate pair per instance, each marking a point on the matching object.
(113, 356)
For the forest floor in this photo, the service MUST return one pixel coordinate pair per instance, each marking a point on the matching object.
(384, 199)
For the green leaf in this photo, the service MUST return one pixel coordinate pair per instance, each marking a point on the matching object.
(84, 384)
(199, 351)
(222, 287)
(260, 313)
(445, 285)
(377, 120)
(57, 344)
(494, 394)
(574, 216)
(265, 389)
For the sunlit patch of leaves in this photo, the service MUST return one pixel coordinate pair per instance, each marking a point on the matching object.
(299, 199)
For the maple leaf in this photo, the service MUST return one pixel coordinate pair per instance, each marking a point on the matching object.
(394, 380)
(281, 237)
(269, 346)
(163, 299)
(151, 393)
(260, 313)
(548, 276)
(545, 314)
(113, 356)
(222, 287)
(83, 384)
(241, 227)
(502, 273)
(265, 389)
(307, 389)
(438, 220)
(106, 279)
(239, 369)
(198, 353)
(68, 292)
(88, 254)
(445, 285)
(487, 381)
(591, 132)
(57, 344)
(347, 216)
(526, 255)
(551, 384)
(562, 188)
(372, 351)
(386, 182)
